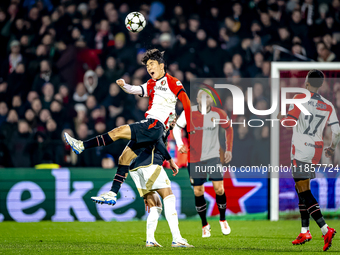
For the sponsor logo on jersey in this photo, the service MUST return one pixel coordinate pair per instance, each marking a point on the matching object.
(316, 146)
(160, 88)
(178, 83)
(212, 119)
(163, 82)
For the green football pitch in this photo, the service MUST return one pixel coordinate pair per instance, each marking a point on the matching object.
(247, 237)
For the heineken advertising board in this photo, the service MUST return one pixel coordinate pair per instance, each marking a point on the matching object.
(30, 195)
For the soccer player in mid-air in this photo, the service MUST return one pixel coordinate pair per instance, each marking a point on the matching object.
(306, 152)
(204, 151)
(149, 176)
(163, 91)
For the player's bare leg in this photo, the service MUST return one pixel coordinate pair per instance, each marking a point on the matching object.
(221, 201)
(313, 208)
(171, 216)
(153, 205)
(78, 146)
(110, 197)
(122, 132)
(201, 208)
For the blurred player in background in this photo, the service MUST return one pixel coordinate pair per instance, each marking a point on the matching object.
(150, 177)
(204, 151)
(306, 151)
(163, 91)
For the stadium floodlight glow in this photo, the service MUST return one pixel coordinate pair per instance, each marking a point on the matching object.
(238, 99)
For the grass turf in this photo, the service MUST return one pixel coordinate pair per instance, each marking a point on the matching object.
(247, 237)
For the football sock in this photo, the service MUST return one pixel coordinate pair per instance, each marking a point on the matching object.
(119, 178)
(171, 216)
(313, 207)
(304, 230)
(304, 215)
(221, 202)
(151, 223)
(201, 208)
(99, 140)
(324, 229)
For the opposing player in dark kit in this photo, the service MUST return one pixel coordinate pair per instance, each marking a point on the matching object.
(150, 178)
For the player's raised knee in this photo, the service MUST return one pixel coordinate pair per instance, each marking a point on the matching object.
(121, 132)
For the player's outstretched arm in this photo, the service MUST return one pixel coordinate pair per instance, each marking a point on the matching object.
(130, 89)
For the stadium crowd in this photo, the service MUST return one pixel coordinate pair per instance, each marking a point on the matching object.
(60, 59)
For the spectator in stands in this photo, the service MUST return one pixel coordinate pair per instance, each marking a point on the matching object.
(93, 87)
(58, 112)
(108, 161)
(47, 97)
(284, 38)
(80, 95)
(64, 92)
(36, 106)
(112, 71)
(5, 156)
(256, 68)
(45, 76)
(324, 54)
(19, 146)
(3, 112)
(18, 106)
(297, 25)
(91, 158)
(88, 32)
(17, 83)
(8, 127)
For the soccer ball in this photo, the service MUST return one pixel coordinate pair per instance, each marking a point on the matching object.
(135, 22)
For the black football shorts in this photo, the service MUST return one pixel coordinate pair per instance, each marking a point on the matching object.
(149, 130)
(302, 171)
(199, 171)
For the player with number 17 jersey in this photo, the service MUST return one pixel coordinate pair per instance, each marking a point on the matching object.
(306, 151)
(307, 140)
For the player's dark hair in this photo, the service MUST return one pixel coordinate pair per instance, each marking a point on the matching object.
(154, 54)
(315, 78)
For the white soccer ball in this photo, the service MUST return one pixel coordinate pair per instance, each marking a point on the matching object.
(135, 22)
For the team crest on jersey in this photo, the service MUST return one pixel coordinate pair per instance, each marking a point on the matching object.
(163, 82)
(212, 119)
(178, 83)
